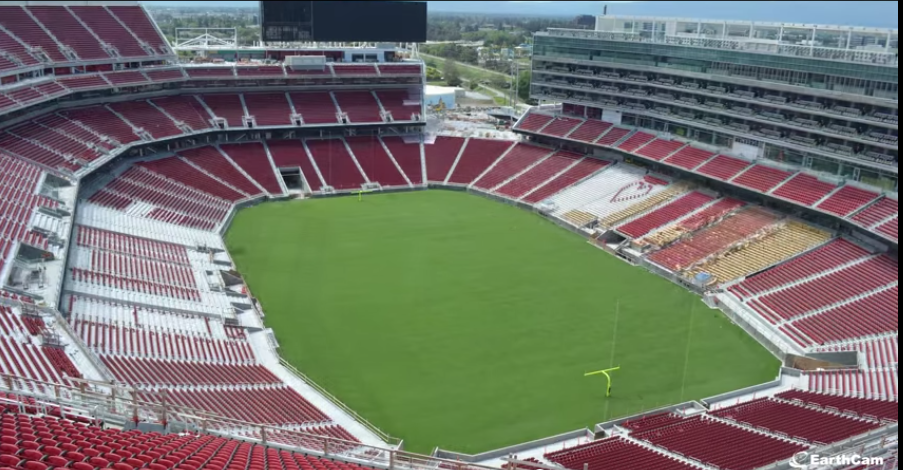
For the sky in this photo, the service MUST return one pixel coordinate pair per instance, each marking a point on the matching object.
(882, 14)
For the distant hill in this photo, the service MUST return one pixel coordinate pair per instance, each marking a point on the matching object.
(863, 13)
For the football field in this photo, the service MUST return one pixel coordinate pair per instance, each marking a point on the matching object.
(450, 320)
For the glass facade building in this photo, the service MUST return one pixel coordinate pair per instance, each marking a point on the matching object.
(824, 98)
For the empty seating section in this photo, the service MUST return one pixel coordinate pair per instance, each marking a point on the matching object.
(590, 130)
(660, 149)
(261, 71)
(614, 454)
(847, 200)
(114, 242)
(561, 126)
(69, 31)
(704, 218)
(527, 181)
(649, 423)
(670, 212)
(876, 214)
(618, 212)
(889, 229)
(722, 445)
(867, 384)
(119, 281)
(20, 24)
(607, 193)
(835, 254)
(111, 199)
(887, 410)
(360, 106)
(804, 189)
(178, 170)
(165, 215)
(713, 240)
(164, 75)
(16, 52)
(107, 338)
(133, 267)
(269, 109)
(228, 107)
(16, 145)
(7, 103)
(66, 127)
(210, 72)
(408, 156)
(185, 109)
(534, 122)
(252, 158)
(787, 242)
(375, 162)
(144, 115)
(25, 95)
(440, 156)
(573, 175)
(102, 121)
(139, 23)
(478, 155)
(68, 444)
(355, 69)
(394, 102)
(18, 183)
(796, 421)
(335, 163)
(126, 78)
(761, 178)
(20, 357)
(613, 136)
(51, 89)
(139, 372)
(636, 141)
(292, 154)
(77, 82)
(271, 404)
(521, 156)
(872, 315)
(689, 157)
(139, 184)
(723, 167)
(57, 142)
(216, 165)
(109, 30)
(874, 273)
(315, 108)
(390, 69)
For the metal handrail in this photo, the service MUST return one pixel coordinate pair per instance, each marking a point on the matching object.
(118, 406)
(384, 436)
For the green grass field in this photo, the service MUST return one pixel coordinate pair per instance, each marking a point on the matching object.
(450, 320)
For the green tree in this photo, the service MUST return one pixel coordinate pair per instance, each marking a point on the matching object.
(524, 85)
(451, 73)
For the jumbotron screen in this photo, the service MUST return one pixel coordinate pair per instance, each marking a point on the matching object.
(344, 21)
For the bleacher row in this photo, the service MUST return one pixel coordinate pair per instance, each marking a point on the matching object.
(197, 187)
(22, 354)
(865, 207)
(74, 138)
(41, 443)
(745, 436)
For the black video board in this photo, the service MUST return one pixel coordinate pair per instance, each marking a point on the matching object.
(344, 21)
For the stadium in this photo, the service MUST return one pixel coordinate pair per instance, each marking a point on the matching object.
(684, 258)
